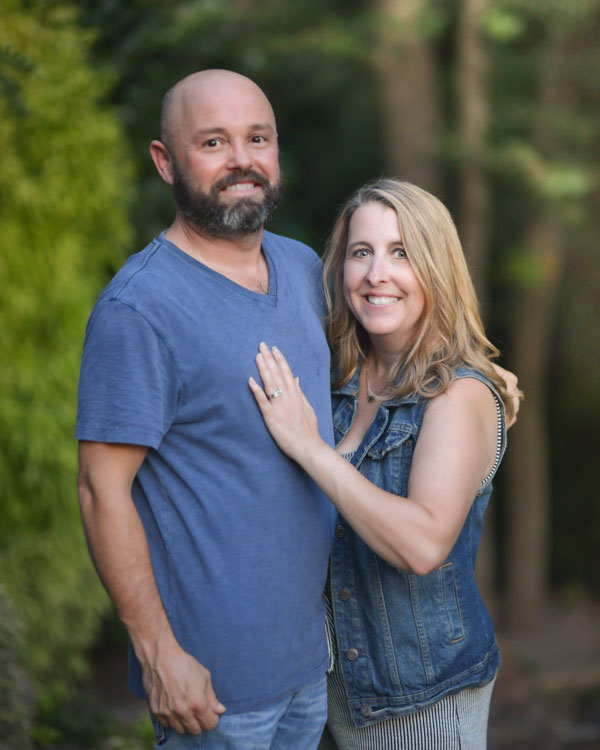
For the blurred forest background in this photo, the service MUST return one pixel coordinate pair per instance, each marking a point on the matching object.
(493, 105)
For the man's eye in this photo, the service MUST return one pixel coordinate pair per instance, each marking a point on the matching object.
(211, 143)
(258, 139)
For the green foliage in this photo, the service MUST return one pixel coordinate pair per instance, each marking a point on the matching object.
(503, 26)
(541, 141)
(82, 723)
(15, 703)
(552, 179)
(65, 179)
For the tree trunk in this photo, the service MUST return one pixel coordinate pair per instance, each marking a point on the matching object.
(528, 464)
(528, 457)
(472, 99)
(407, 79)
(472, 106)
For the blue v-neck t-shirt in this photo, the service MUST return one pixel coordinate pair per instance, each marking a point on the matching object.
(239, 535)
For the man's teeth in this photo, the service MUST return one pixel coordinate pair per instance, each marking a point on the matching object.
(382, 300)
(241, 186)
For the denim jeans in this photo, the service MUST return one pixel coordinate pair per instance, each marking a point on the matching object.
(294, 722)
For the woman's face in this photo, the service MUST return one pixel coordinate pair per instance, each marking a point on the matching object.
(380, 286)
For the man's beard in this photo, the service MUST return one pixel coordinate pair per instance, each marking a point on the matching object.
(215, 218)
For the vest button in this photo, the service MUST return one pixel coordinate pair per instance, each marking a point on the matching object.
(366, 710)
(340, 532)
(352, 654)
(345, 594)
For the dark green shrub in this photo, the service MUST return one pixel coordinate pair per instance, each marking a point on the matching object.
(64, 181)
(16, 698)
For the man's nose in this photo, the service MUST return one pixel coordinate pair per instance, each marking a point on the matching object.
(239, 157)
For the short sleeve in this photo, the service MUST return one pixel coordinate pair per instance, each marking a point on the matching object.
(128, 384)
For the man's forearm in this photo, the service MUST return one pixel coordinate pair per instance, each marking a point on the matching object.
(179, 689)
(118, 546)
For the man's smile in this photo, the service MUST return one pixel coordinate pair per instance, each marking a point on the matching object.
(241, 187)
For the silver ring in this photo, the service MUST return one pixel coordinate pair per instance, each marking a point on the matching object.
(275, 394)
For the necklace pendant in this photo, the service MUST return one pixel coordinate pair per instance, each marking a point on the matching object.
(370, 395)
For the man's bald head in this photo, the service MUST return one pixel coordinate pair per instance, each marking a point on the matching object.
(206, 86)
(218, 151)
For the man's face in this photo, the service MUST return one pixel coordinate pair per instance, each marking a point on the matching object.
(224, 159)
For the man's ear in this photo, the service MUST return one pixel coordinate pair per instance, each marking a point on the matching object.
(162, 160)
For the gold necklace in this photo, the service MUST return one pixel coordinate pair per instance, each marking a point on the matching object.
(371, 395)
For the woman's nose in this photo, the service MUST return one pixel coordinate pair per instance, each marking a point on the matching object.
(378, 270)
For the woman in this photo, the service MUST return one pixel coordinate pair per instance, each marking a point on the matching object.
(419, 416)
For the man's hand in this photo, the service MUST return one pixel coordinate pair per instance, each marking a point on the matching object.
(512, 389)
(180, 692)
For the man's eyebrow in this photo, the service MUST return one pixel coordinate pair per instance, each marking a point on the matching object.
(260, 126)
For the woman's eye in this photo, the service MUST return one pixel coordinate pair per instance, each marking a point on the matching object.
(360, 253)
(400, 252)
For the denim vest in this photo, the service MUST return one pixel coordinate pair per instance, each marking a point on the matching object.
(403, 640)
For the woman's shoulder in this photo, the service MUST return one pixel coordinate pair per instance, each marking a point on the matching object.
(475, 380)
(464, 371)
(468, 393)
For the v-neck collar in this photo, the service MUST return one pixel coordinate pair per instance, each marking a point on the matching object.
(270, 298)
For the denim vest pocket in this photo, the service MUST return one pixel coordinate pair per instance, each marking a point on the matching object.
(450, 598)
(389, 460)
(393, 439)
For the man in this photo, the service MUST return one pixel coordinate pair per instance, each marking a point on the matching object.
(212, 545)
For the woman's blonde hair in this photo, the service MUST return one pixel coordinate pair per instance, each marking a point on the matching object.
(450, 333)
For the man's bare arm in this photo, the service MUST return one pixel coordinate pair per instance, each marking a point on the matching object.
(179, 688)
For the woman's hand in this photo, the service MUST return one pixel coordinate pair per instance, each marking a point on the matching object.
(289, 417)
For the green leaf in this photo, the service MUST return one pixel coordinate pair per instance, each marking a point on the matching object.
(503, 26)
